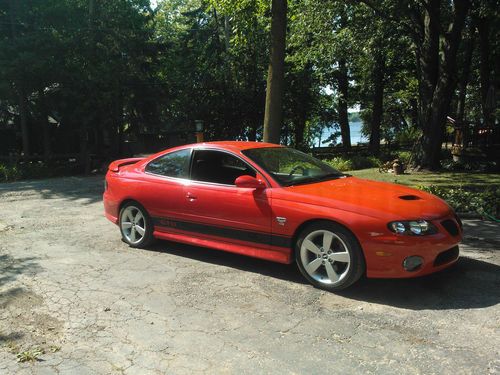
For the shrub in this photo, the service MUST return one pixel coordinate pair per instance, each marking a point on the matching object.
(363, 162)
(340, 164)
(9, 173)
(34, 170)
(355, 162)
(465, 201)
(402, 155)
(466, 165)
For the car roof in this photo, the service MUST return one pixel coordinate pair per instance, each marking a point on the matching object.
(234, 145)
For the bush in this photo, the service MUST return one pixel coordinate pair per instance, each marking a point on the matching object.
(465, 201)
(9, 173)
(402, 155)
(34, 170)
(355, 162)
(340, 164)
(477, 166)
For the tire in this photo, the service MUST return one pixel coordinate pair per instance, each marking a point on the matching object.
(135, 225)
(329, 256)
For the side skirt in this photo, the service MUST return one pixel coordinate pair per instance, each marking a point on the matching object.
(275, 254)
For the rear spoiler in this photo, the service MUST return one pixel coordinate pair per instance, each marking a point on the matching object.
(117, 164)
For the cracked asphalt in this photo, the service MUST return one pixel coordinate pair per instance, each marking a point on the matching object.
(71, 289)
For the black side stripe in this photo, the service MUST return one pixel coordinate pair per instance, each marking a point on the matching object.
(236, 234)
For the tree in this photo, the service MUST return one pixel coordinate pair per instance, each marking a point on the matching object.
(275, 77)
(436, 30)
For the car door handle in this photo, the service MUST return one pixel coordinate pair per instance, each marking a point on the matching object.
(190, 197)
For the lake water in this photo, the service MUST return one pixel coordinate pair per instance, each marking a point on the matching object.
(356, 136)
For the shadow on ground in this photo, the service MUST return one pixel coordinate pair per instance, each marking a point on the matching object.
(482, 235)
(72, 188)
(468, 284)
(10, 269)
(247, 264)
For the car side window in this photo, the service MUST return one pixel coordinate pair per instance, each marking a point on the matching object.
(173, 164)
(218, 167)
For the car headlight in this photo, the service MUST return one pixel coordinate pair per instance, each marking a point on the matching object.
(413, 227)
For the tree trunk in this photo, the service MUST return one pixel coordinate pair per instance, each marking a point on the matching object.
(45, 128)
(464, 79)
(343, 94)
(428, 60)
(23, 119)
(84, 151)
(252, 136)
(378, 101)
(298, 131)
(434, 105)
(273, 115)
(21, 92)
(483, 27)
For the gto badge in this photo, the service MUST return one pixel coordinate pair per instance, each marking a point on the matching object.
(281, 220)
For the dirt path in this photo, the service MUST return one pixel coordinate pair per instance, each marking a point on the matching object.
(71, 289)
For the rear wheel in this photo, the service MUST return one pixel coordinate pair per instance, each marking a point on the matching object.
(329, 256)
(135, 225)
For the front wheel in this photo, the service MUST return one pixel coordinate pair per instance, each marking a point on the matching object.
(329, 256)
(135, 225)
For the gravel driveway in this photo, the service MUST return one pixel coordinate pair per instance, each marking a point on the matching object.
(88, 304)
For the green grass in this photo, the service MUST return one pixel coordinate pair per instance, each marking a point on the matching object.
(466, 180)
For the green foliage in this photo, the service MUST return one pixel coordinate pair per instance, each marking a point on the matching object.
(9, 173)
(407, 135)
(467, 201)
(30, 355)
(353, 163)
(35, 170)
(127, 72)
(402, 155)
(340, 163)
(469, 165)
(354, 117)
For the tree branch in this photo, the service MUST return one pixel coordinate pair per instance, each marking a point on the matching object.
(387, 16)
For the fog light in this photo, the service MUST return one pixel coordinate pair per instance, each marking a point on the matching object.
(413, 263)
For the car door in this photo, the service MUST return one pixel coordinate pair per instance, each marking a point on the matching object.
(162, 193)
(217, 208)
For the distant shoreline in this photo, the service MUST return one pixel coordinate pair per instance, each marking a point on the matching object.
(356, 136)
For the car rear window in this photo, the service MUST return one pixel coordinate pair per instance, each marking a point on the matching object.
(173, 164)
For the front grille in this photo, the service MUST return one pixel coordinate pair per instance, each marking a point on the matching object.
(446, 256)
(450, 226)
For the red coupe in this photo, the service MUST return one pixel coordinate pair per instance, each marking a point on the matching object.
(276, 203)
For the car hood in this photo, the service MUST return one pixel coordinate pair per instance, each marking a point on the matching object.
(370, 197)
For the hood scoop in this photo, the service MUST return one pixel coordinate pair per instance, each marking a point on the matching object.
(409, 197)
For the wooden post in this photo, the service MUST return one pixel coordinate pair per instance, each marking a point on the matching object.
(199, 131)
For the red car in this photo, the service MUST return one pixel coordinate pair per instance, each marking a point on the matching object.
(276, 203)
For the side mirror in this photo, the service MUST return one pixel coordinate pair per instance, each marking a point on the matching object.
(249, 182)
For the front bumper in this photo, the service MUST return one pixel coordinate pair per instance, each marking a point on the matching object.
(386, 254)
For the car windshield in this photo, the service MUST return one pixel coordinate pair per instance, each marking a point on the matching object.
(291, 167)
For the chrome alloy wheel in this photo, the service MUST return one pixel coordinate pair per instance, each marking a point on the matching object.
(325, 257)
(133, 225)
